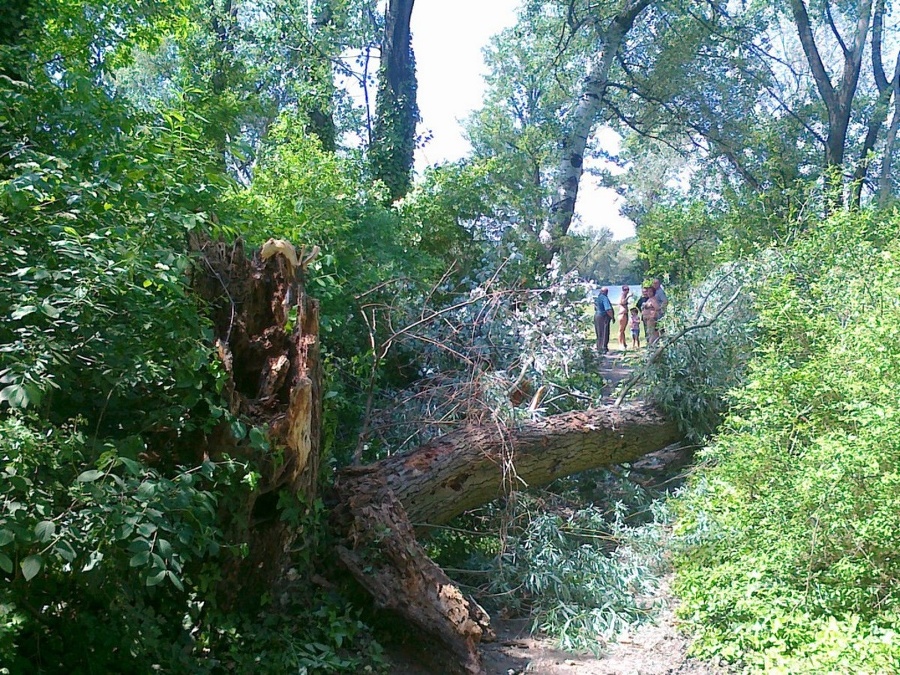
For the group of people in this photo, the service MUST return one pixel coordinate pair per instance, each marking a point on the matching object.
(648, 310)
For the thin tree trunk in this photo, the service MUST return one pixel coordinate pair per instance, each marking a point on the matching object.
(880, 113)
(886, 89)
(885, 187)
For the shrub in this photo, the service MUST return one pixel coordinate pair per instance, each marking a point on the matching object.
(792, 523)
(583, 576)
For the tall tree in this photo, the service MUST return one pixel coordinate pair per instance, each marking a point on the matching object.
(837, 96)
(518, 127)
(611, 33)
(887, 89)
(396, 110)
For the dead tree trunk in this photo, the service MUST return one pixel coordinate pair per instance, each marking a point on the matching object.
(380, 505)
(266, 333)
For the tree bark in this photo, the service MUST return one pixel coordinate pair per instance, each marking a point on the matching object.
(838, 99)
(475, 465)
(583, 119)
(882, 104)
(381, 506)
(885, 186)
(396, 111)
(266, 336)
(886, 89)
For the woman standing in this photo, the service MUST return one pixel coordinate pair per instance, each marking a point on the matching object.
(649, 314)
(623, 316)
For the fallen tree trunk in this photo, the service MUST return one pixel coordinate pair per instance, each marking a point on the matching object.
(266, 337)
(379, 504)
(475, 465)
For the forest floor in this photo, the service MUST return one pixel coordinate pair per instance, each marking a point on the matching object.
(653, 649)
(657, 648)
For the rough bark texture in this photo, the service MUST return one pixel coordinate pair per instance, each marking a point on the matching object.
(887, 89)
(584, 117)
(475, 465)
(380, 549)
(382, 504)
(273, 381)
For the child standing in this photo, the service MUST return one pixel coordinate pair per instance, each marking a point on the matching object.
(635, 328)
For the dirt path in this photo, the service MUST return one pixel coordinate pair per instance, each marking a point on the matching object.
(614, 367)
(653, 649)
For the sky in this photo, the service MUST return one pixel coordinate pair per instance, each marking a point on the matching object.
(448, 38)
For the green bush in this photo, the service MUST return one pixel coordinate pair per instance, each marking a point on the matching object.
(97, 554)
(709, 331)
(583, 576)
(793, 523)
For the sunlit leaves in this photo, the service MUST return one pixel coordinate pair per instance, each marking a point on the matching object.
(30, 566)
(792, 524)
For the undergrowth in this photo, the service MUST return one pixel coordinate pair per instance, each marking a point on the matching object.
(580, 571)
(791, 525)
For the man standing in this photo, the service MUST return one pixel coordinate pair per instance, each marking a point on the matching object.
(645, 293)
(603, 314)
(661, 299)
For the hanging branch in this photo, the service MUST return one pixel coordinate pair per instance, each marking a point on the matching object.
(669, 341)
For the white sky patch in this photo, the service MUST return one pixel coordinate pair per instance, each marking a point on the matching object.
(448, 38)
(597, 207)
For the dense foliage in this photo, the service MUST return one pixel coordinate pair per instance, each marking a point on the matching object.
(127, 129)
(112, 535)
(791, 522)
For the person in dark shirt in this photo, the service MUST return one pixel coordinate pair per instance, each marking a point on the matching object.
(645, 293)
(603, 315)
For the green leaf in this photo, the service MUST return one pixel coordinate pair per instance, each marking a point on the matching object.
(22, 312)
(259, 439)
(64, 550)
(6, 536)
(146, 491)
(133, 467)
(45, 530)
(49, 310)
(164, 548)
(89, 476)
(16, 395)
(31, 566)
(139, 559)
(238, 430)
(6, 564)
(146, 529)
(139, 545)
(155, 579)
(175, 580)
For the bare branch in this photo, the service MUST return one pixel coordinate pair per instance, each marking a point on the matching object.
(834, 29)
